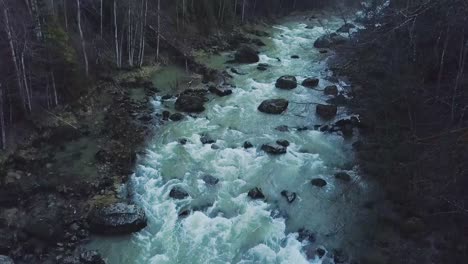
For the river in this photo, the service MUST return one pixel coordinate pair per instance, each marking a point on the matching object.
(224, 225)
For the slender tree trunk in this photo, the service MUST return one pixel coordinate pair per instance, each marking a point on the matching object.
(65, 14)
(243, 10)
(13, 53)
(83, 44)
(143, 35)
(101, 19)
(54, 88)
(116, 36)
(159, 30)
(25, 84)
(2, 118)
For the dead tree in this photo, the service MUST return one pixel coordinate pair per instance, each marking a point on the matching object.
(82, 40)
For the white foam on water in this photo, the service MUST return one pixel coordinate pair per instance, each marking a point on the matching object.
(225, 225)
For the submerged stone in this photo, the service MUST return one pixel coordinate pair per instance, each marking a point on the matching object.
(282, 142)
(290, 196)
(343, 176)
(256, 193)
(178, 193)
(176, 117)
(326, 111)
(318, 182)
(331, 90)
(305, 234)
(210, 180)
(274, 149)
(247, 145)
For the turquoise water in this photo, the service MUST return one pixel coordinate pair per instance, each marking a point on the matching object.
(224, 224)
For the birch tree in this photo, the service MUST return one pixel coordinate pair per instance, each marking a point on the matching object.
(82, 40)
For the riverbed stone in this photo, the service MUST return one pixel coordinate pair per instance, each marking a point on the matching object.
(273, 106)
(295, 57)
(117, 219)
(319, 182)
(330, 40)
(207, 139)
(221, 92)
(246, 54)
(282, 128)
(256, 194)
(326, 111)
(286, 82)
(343, 176)
(176, 117)
(274, 149)
(290, 196)
(282, 142)
(178, 193)
(166, 115)
(190, 103)
(247, 145)
(331, 90)
(210, 179)
(310, 82)
(306, 234)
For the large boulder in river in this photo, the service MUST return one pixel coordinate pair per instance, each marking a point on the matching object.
(117, 219)
(274, 149)
(273, 106)
(326, 111)
(190, 103)
(246, 54)
(330, 40)
(310, 82)
(286, 82)
(331, 90)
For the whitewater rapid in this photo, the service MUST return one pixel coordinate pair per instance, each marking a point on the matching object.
(223, 224)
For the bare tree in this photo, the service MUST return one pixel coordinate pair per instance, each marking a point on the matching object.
(83, 44)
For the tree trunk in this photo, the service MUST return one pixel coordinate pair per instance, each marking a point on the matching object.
(243, 10)
(2, 118)
(159, 30)
(116, 36)
(83, 44)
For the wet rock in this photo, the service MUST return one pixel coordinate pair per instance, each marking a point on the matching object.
(176, 117)
(234, 70)
(330, 40)
(290, 196)
(318, 182)
(210, 180)
(246, 54)
(343, 176)
(326, 111)
(346, 28)
(305, 234)
(320, 252)
(282, 128)
(323, 51)
(283, 142)
(117, 219)
(273, 106)
(190, 103)
(295, 57)
(274, 149)
(256, 194)
(214, 146)
(6, 260)
(206, 139)
(262, 68)
(178, 193)
(166, 115)
(166, 97)
(310, 82)
(91, 257)
(183, 141)
(338, 100)
(247, 145)
(286, 82)
(221, 92)
(331, 90)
